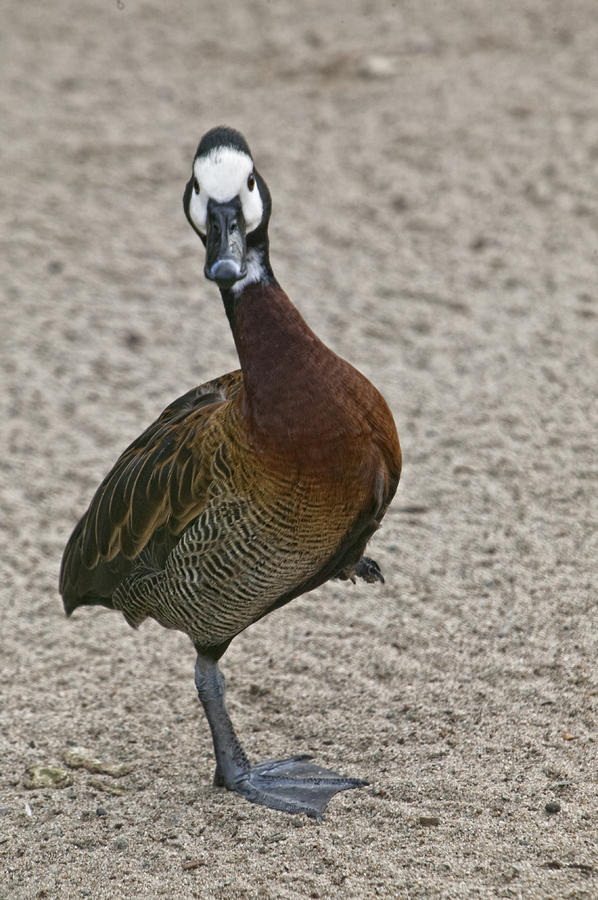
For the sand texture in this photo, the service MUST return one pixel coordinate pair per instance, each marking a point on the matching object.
(434, 169)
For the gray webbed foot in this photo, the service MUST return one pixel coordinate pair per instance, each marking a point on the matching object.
(294, 785)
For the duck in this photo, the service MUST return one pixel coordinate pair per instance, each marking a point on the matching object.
(247, 491)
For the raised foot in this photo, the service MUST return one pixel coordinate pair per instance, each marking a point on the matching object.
(369, 570)
(294, 785)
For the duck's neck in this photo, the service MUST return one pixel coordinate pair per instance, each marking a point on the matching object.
(289, 374)
(259, 271)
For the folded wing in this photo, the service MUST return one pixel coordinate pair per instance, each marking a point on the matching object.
(157, 486)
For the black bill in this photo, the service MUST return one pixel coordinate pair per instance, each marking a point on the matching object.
(226, 260)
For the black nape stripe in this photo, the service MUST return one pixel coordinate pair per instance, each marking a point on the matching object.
(222, 136)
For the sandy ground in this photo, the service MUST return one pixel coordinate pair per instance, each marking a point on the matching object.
(434, 168)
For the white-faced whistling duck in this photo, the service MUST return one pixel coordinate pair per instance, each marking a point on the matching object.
(248, 490)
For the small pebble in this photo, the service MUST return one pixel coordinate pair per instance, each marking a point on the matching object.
(133, 341)
(275, 838)
(100, 811)
(552, 807)
(84, 757)
(108, 788)
(121, 844)
(378, 67)
(429, 820)
(46, 777)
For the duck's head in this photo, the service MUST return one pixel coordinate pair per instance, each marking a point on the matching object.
(227, 203)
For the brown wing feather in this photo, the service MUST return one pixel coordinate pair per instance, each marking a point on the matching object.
(157, 486)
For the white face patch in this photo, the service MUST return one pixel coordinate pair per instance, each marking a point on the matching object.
(222, 175)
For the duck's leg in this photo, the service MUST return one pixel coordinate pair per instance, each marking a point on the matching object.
(293, 785)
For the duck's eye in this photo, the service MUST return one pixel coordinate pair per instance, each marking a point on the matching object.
(196, 185)
(251, 182)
